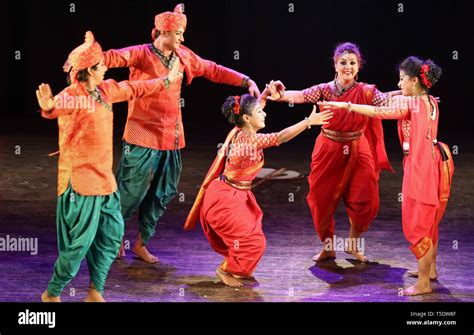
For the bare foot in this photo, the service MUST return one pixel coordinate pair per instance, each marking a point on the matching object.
(227, 278)
(143, 253)
(121, 253)
(414, 273)
(94, 296)
(358, 255)
(417, 289)
(45, 297)
(324, 255)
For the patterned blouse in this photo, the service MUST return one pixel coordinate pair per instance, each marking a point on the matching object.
(328, 92)
(245, 156)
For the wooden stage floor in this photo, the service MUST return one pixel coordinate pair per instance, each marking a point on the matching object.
(186, 270)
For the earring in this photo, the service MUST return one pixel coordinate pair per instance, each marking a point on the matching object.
(335, 76)
(357, 76)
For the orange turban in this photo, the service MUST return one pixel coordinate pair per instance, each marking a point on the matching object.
(86, 55)
(170, 21)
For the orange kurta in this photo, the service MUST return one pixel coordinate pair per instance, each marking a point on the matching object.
(155, 121)
(86, 134)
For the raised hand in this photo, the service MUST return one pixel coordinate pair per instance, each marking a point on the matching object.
(277, 90)
(45, 97)
(174, 74)
(316, 119)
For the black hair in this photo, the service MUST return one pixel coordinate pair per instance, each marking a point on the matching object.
(412, 66)
(82, 75)
(245, 105)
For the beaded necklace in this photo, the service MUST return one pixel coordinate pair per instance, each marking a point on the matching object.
(168, 62)
(342, 90)
(95, 94)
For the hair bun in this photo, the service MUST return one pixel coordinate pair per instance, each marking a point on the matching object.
(434, 72)
(228, 109)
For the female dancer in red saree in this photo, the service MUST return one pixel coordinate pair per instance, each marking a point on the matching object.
(428, 165)
(348, 154)
(229, 214)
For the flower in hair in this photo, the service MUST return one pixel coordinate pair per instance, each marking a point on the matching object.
(236, 108)
(424, 78)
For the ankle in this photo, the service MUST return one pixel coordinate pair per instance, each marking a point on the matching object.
(328, 248)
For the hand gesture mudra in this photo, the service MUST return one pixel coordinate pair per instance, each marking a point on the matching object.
(276, 90)
(45, 97)
(316, 119)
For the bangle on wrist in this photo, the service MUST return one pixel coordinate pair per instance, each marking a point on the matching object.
(282, 94)
(309, 123)
(349, 107)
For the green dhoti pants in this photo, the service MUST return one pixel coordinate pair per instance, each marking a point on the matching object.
(147, 180)
(89, 227)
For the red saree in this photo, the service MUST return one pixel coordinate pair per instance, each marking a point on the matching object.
(427, 173)
(229, 213)
(347, 169)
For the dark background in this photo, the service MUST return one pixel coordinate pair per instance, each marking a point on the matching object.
(273, 44)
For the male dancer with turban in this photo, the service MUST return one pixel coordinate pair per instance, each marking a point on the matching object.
(89, 222)
(150, 166)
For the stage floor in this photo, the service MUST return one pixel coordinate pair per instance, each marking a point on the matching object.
(187, 263)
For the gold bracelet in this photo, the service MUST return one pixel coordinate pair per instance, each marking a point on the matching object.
(309, 123)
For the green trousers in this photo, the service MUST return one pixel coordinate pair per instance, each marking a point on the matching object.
(147, 180)
(88, 227)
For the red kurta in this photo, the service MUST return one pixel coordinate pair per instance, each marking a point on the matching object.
(155, 121)
(347, 170)
(86, 135)
(230, 217)
(427, 171)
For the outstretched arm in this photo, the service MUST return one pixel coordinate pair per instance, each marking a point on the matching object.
(398, 108)
(295, 97)
(125, 57)
(221, 74)
(279, 94)
(128, 90)
(313, 120)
